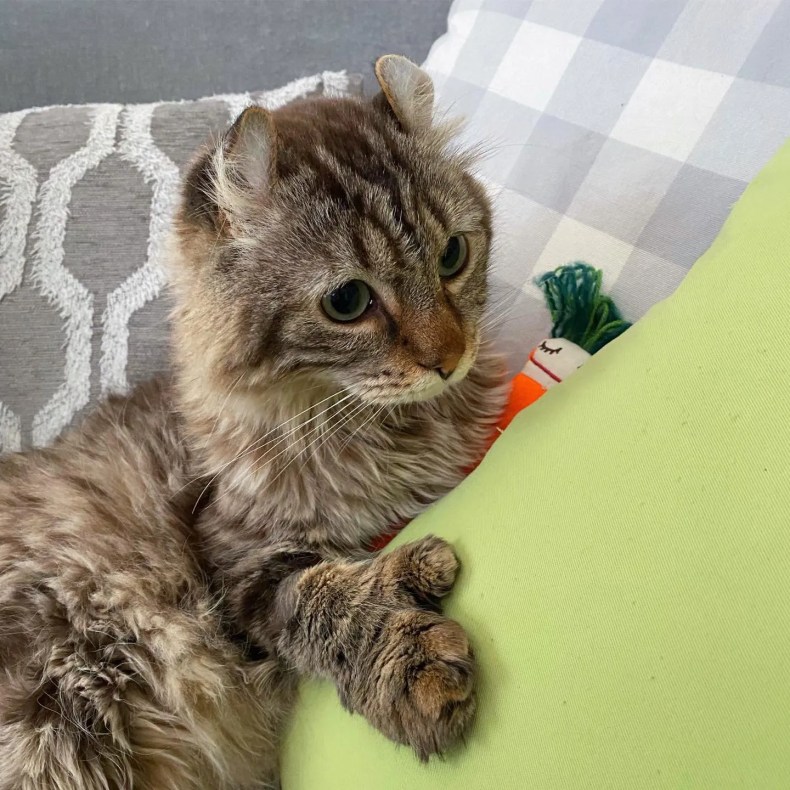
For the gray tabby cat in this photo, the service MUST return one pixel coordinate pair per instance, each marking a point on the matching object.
(169, 568)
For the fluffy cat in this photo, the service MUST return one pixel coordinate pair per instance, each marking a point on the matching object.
(168, 569)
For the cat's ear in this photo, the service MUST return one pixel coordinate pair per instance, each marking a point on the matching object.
(224, 181)
(407, 90)
(250, 149)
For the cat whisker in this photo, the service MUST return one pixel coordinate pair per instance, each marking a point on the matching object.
(345, 444)
(264, 461)
(364, 424)
(328, 437)
(356, 409)
(494, 320)
(335, 430)
(224, 404)
(299, 426)
(256, 443)
(260, 442)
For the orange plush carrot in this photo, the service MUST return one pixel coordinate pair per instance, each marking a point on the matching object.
(585, 320)
(549, 363)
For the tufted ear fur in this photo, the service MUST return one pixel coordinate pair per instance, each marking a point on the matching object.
(250, 149)
(225, 178)
(408, 91)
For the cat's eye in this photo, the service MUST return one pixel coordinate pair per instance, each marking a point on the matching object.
(348, 302)
(454, 256)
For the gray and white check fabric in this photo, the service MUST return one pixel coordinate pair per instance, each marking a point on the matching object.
(619, 132)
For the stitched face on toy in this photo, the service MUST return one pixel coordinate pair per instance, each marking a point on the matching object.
(553, 360)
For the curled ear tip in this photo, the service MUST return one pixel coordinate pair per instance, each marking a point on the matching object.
(254, 114)
(256, 109)
(392, 56)
(249, 119)
(407, 89)
(386, 62)
(397, 71)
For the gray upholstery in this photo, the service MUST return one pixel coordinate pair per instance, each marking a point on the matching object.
(86, 194)
(75, 51)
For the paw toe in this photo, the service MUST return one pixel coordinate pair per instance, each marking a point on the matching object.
(436, 566)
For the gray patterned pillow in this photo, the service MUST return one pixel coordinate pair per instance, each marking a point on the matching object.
(86, 194)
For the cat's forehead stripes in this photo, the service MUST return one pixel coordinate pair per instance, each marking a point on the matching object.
(358, 164)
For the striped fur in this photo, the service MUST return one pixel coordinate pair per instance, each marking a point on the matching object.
(167, 570)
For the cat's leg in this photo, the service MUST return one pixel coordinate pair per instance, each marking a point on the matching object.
(94, 706)
(374, 628)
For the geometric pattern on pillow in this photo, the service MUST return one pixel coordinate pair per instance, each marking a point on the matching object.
(86, 197)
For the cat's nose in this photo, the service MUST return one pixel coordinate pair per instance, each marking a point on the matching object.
(449, 364)
(434, 340)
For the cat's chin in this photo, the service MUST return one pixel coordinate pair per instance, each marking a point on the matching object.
(404, 397)
(411, 396)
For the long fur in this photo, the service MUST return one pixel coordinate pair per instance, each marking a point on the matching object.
(169, 568)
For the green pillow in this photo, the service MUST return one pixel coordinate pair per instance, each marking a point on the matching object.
(626, 558)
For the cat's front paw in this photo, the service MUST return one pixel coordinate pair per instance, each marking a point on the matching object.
(420, 686)
(425, 569)
(423, 681)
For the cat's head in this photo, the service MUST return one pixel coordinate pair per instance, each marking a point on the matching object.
(335, 239)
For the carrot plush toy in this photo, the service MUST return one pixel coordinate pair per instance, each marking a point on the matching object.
(585, 320)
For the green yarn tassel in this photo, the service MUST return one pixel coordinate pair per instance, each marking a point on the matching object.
(580, 312)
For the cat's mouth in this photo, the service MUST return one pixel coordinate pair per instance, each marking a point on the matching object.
(423, 387)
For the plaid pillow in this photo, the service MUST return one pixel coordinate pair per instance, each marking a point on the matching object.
(616, 132)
